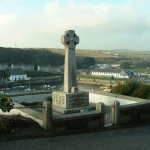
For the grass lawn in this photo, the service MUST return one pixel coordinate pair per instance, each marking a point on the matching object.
(140, 70)
(100, 78)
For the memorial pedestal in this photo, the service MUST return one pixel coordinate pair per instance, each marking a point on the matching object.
(70, 102)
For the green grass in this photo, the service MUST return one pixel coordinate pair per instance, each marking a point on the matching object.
(140, 70)
(100, 78)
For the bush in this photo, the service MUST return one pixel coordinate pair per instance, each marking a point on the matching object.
(133, 88)
(6, 103)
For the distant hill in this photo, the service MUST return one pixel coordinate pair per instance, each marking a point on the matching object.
(87, 53)
(30, 56)
(53, 56)
(44, 56)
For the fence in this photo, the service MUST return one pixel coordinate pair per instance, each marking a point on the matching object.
(108, 116)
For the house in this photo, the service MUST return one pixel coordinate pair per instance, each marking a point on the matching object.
(102, 66)
(17, 75)
(109, 73)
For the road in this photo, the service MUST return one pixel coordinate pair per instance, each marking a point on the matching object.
(137, 138)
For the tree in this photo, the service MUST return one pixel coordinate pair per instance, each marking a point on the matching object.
(87, 62)
(6, 103)
(125, 65)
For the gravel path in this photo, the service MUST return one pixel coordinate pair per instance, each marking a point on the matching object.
(124, 139)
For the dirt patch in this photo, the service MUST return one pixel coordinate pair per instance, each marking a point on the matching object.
(16, 127)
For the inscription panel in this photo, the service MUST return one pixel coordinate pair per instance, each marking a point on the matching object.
(58, 99)
(78, 100)
(70, 100)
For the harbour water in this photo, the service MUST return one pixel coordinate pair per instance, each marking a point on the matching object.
(42, 97)
(39, 88)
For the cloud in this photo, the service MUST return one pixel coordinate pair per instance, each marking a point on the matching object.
(93, 22)
(7, 20)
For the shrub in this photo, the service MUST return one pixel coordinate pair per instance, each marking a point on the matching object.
(6, 103)
(133, 88)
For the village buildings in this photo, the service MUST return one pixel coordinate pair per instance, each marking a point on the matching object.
(110, 73)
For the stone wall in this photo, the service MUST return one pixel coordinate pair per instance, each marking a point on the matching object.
(86, 79)
(77, 122)
(134, 113)
(95, 81)
(25, 112)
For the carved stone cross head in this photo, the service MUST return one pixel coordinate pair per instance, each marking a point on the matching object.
(70, 39)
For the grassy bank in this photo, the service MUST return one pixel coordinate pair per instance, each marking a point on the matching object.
(140, 70)
(99, 78)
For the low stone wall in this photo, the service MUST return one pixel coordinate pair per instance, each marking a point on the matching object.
(95, 81)
(79, 121)
(134, 113)
(105, 81)
(86, 80)
(25, 112)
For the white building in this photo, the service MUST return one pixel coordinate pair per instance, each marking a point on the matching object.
(18, 74)
(102, 66)
(109, 73)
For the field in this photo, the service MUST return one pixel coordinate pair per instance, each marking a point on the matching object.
(133, 54)
(140, 70)
(86, 53)
(100, 78)
(111, 53)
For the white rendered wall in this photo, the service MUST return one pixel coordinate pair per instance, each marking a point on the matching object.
(95, 98)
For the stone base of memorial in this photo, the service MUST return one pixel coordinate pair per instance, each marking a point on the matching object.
(70, 102)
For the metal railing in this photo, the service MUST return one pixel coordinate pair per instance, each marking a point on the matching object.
(108, 116)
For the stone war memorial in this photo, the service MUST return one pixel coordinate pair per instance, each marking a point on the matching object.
(70, 100)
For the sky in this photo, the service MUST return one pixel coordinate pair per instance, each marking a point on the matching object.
(100, 24)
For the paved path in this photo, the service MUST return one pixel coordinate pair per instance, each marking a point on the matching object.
(124, 139)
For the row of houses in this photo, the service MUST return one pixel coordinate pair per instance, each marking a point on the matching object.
(105, 66)
(16, 66)
(110, 73)
(116, 73)
(28, 67)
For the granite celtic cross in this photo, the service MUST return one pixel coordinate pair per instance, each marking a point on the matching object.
(71, 97)
(70, 40)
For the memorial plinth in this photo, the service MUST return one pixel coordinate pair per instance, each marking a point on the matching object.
(70, 97)
(70, 100)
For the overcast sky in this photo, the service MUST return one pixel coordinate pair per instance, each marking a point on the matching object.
(100, 24)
